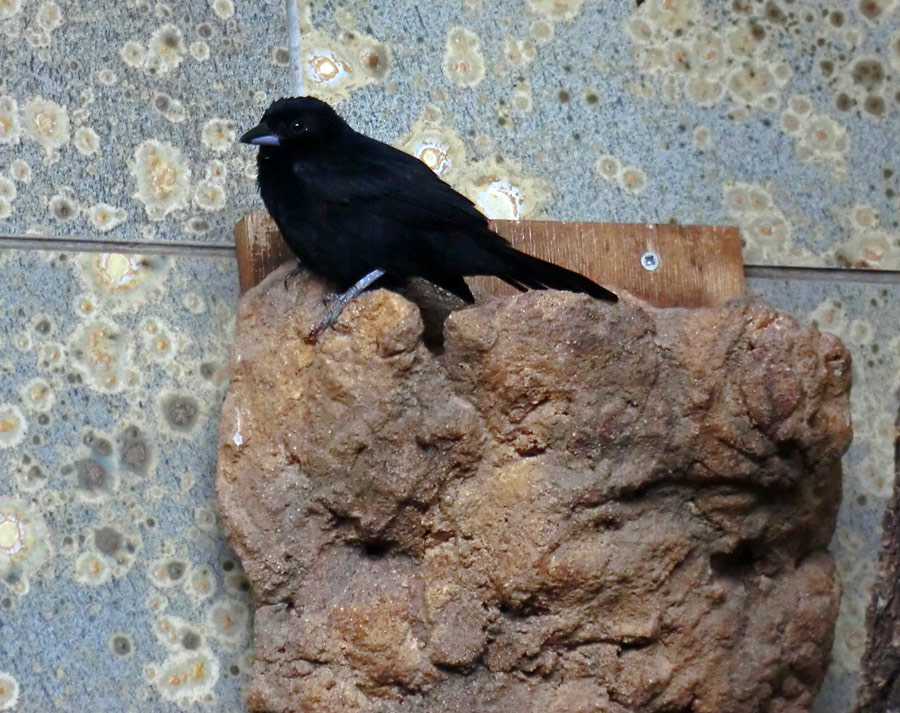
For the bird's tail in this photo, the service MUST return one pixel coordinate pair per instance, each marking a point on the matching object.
(524, 271)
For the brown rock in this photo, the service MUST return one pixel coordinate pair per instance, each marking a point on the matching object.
(575, 508)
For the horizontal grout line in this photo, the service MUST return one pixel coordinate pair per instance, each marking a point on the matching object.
(85, 244)
(822, 274)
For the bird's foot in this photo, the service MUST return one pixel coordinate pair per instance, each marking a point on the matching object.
(292, 274)
(313, 336)
(339, 302)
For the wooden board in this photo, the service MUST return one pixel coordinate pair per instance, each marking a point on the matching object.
(698, 266)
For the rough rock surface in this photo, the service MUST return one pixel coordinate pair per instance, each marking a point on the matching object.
(575, 508)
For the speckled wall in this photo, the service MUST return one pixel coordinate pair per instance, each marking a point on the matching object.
(117, 123)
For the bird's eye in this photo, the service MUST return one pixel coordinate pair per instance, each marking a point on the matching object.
(298, 127)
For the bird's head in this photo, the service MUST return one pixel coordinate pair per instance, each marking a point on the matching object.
(295, 122)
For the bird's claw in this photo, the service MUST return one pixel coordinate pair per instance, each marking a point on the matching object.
(331, 317)
(328, 299)
(292, 274)
(313, 335)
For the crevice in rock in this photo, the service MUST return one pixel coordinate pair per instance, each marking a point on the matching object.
(737, 564)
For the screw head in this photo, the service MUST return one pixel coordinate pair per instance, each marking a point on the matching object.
(650, 261)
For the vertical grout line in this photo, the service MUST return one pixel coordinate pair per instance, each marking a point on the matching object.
(293, 29)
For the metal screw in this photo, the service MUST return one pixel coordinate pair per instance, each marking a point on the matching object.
(650, 261)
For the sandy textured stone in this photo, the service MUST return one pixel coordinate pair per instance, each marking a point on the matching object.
(575, 507)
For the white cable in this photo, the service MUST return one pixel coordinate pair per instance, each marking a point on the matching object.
(293, 28)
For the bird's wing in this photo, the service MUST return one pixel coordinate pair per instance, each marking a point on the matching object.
(389, 182)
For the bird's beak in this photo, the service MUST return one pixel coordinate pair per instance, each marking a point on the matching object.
(261, 135)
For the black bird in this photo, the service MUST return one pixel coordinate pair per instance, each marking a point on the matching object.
(355, 210)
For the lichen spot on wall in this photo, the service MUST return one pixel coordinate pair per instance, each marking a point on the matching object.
(162, 177)
(24, 544)
(47, 123)
(463, 61)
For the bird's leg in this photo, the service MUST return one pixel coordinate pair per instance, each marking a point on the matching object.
(293, 273)
(340, 302)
